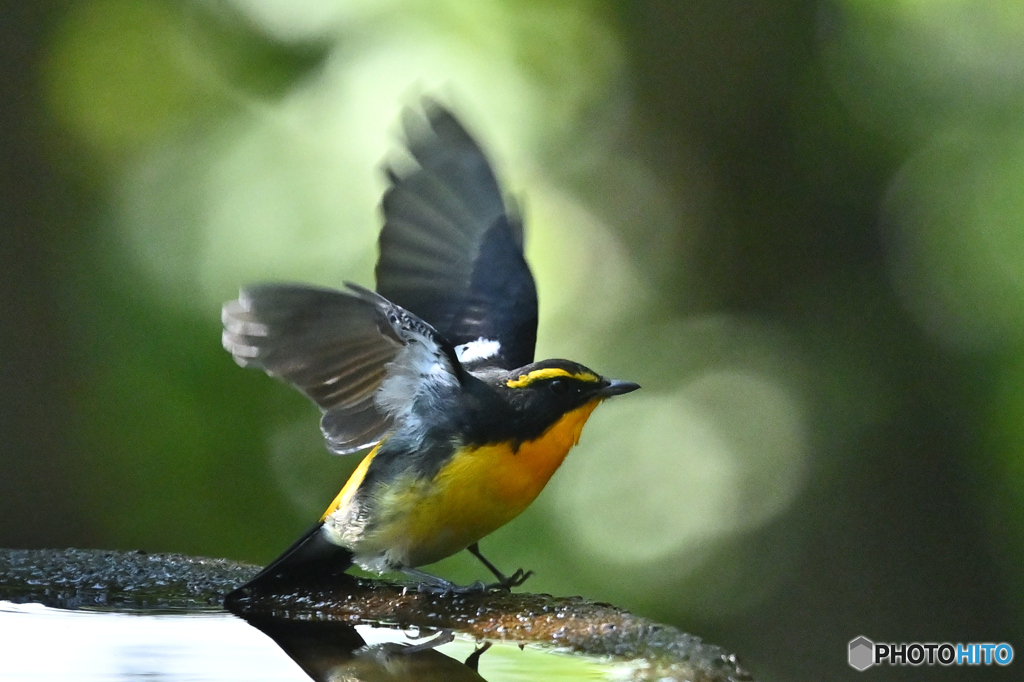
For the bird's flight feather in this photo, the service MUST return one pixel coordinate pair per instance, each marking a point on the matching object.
(453, 289)
(451, 251)
(362, 359)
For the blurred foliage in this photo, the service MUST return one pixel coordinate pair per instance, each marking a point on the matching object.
(798, 225)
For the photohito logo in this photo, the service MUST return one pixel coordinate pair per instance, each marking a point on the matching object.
(864, 653)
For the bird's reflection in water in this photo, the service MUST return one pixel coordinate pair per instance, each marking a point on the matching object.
(331, 652)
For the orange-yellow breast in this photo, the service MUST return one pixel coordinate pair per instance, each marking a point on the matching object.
(479, 490)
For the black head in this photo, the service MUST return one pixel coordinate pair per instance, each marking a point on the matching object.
(544, 391)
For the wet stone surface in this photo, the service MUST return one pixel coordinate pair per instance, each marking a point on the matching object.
(83, 578)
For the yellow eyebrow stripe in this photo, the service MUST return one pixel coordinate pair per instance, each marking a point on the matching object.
(549, 373)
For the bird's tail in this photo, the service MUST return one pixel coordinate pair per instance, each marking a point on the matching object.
(311, 559)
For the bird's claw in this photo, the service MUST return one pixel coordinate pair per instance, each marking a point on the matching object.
(510, 581)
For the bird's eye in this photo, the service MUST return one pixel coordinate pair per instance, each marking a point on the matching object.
(559, 387)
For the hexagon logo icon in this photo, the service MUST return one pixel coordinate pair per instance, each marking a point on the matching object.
(862, 653)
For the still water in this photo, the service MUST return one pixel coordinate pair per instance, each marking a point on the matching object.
(39, 644)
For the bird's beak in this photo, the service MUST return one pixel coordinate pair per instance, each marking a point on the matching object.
(616, 387)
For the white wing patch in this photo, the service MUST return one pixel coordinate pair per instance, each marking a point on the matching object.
(481, 349)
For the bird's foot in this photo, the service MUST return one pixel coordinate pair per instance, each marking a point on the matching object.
(507, 582)
(431, 584)
(447, 589)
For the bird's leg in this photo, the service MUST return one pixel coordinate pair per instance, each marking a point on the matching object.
(505, 582)
(473, 660)
(435, 585)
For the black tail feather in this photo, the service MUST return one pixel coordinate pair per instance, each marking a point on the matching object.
(311, 559)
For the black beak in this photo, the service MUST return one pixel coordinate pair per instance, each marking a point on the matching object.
(616, 387)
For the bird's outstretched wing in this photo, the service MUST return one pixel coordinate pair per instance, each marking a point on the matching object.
(362, 359)
(450, 251)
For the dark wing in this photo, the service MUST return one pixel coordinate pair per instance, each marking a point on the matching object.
(338, 348)
(451, 252)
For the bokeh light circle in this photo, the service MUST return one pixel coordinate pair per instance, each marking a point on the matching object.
(664, 472)
(954, 216)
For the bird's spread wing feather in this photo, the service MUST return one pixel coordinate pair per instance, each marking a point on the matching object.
(362, 359)
(450, 250)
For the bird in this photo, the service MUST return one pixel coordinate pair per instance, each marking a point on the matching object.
(433, 372)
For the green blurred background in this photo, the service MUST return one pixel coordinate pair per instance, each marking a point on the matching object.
(800, 225)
